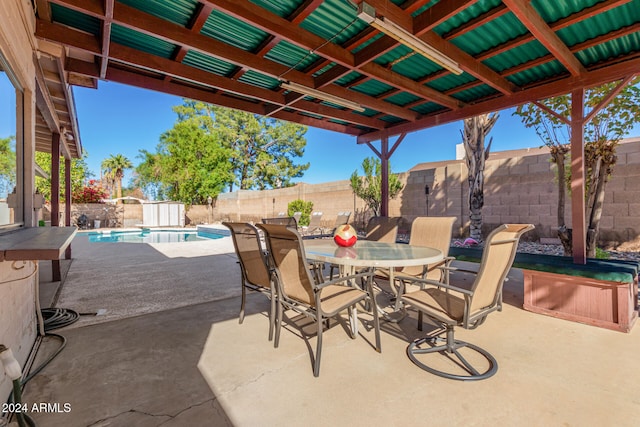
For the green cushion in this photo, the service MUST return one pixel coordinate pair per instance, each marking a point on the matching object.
(599, 269)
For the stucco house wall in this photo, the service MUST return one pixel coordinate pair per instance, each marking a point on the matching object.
(18, 280)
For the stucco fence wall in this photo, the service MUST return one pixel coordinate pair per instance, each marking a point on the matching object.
(520, 187)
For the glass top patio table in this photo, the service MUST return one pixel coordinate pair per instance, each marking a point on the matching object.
(367, 253)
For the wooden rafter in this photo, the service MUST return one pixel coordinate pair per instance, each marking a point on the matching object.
(539, 28)
(559, 87)
(276, 25)
(106, 36)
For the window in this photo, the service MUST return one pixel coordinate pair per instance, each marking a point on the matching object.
(11, 205)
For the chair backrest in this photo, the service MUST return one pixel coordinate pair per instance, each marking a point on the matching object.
(289, 221)
(382, 229)
(497, 258)
(342, 218)
(287, 255)
(251, 255)
(297, 216)
(433, 232)
(315, 220)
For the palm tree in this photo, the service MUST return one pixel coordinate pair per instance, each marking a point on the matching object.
(113, 169)
(475, 131)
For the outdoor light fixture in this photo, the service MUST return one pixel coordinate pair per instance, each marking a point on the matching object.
(305, 90)
(367, 13)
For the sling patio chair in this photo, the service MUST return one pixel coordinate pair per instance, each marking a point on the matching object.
(341, 219)
(254, 265)
(382, 229)
(289, 221)
(299, 291)
(315, 225)
(448, 306)
(379, 229)
(433, 232)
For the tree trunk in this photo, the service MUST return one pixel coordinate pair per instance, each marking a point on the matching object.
(564, 234)
(473, 136)
(596, 213)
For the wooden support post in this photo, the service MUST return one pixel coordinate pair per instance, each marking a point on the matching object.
(55, 196)
(384, 175)
(67, 201)
(577, 178)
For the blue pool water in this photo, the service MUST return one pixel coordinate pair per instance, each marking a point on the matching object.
(153, 236)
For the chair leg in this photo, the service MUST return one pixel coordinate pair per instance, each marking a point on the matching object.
(353, 321)
(272, 316)
(450, 350)
(278, 321)
(316, 365)
(243, 301)
(420, 321)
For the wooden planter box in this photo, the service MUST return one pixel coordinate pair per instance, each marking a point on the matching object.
(601, 293)
(611, 305)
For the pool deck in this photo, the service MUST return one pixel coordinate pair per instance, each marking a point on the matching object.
(169, 352)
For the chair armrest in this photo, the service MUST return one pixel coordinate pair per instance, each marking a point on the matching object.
(443, 285)
(319, 286)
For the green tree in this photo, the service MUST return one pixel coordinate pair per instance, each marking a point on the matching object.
(148, 175)
(113, 168)
(369, 186)
(601, 136)
(191, 163)
(80, 173)
(263, 150)
(475, 131)
(7, 165)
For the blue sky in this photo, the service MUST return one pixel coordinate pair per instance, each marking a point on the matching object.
(120, 119)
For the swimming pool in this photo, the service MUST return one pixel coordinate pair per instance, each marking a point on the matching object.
(153, 236)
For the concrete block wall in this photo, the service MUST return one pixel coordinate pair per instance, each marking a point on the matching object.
(520, 186)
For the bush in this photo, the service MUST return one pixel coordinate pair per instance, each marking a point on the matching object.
(92, 193)
(301, 206)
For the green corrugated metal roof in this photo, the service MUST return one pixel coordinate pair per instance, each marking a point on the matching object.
(335, 21)
(232, 31)
(260, 80)
(75, 19)
(290, 55)
(177, 11)
(143, 42)
(208, 63)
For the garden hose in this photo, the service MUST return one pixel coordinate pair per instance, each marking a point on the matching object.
(55, 318)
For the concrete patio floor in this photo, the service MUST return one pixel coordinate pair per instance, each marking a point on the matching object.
(169, 352)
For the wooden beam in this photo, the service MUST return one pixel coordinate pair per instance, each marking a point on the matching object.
(68, 200)
(273, 24)
(555, 88)
(545, 35)
(579, 232)
(106, 36)
(145, 82)
(438, 13)
(605, 101)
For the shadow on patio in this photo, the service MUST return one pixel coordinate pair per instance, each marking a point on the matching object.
(182, 362)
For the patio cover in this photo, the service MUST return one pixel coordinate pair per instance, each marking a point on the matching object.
(238, 54)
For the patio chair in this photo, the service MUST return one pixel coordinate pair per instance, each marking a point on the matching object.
(289, 221)
(315, 224)
(382, 229)
(341, 219)
(379, 229)
(297, 216)
(449, 306)
(299, 291)
(254, 265)
(433, 232)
